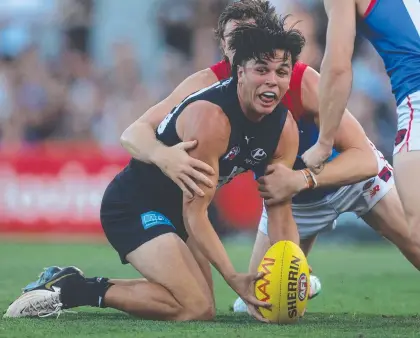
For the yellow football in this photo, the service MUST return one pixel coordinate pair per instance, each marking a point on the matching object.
(285, 284)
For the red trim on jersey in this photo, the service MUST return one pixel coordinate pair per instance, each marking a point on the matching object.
(293, 98)
(370, 7)
(410, 123)
(222, 70)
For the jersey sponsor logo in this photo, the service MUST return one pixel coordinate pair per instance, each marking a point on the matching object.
(258, 154)
(153, 218)
(232, 153)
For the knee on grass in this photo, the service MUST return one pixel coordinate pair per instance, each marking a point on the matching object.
(197, 308)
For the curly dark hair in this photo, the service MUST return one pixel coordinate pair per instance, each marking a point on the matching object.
(244, 10)
(260, 41)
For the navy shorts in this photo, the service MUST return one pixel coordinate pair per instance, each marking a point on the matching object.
(136, 210)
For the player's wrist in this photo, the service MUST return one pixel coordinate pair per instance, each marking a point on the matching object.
(157, 154)
(308, 180)
(230, 276)
(326, 142)
(301, 181)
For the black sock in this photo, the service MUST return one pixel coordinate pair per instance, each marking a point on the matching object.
(85, 292)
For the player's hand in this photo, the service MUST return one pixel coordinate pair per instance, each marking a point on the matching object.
(316, 156)
(183, 169)
(280, 184)
(244, 285)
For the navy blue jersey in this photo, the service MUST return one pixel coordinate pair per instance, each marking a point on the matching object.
(251, 144)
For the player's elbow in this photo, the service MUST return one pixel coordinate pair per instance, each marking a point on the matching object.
(127, 138)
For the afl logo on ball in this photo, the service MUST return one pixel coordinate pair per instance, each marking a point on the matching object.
(302, 287)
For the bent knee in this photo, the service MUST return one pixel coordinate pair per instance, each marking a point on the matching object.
(201, 309)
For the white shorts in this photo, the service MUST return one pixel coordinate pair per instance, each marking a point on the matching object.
(408, 134)
(359, 198)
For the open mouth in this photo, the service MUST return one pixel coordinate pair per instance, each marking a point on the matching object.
(268, 97)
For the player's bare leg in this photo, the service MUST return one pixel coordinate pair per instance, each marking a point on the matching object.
(202, 261)
(262, 244)
(175, 288)
(388, 219)
(127, 282)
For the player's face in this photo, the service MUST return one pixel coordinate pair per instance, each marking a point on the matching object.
(229, 27)
(263, 83)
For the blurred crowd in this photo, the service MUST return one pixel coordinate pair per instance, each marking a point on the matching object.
(72, 97)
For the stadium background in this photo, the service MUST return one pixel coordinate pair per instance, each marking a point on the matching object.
(75, 73)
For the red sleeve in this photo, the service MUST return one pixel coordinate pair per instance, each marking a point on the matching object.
(293, 98)
(222, 70)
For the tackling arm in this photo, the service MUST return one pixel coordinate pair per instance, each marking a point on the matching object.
(336, 71)
(139, 138)
(357, 161)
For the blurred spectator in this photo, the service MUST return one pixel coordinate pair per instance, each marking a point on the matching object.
(69, 97)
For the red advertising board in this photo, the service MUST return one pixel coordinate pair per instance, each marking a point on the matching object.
(57, 188)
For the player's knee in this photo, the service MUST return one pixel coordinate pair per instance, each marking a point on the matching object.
(202, 308)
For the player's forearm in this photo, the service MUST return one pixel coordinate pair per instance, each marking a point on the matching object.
(334, 91)
(350, 167)
(202, 232)
(140, 141)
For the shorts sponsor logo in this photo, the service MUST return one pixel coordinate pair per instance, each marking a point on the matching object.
(368, 184)
(258, 154)
(400, 136)
(385, 174)
(153, 218)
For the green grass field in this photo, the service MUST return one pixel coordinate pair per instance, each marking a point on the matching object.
(367, 292)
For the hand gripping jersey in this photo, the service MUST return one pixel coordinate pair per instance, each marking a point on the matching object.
(308, 131)
(251, 145)
(142, 203)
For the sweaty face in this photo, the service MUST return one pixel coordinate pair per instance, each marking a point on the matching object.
(262, 84)
(229, 27)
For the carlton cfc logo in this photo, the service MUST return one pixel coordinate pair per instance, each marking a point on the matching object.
(232, 153)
